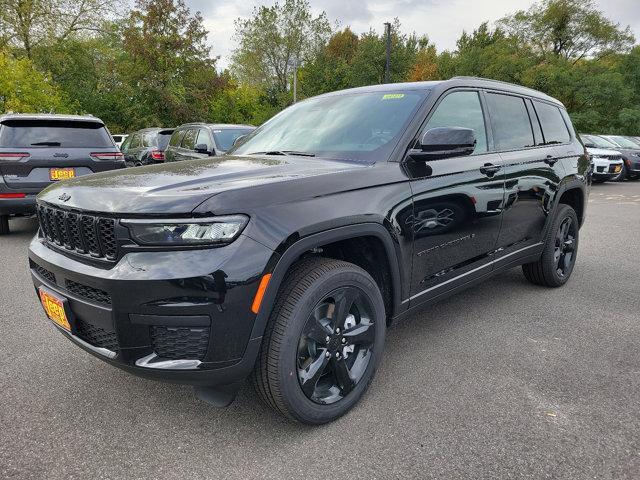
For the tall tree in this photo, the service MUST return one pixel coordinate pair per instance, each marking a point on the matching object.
(272, 38)
(28, 24)
(570, 29)
(168, 62)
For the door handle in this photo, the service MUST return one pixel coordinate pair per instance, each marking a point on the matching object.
(489, 169)
(550, 160)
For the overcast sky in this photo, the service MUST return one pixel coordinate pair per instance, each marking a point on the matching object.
(441, 20)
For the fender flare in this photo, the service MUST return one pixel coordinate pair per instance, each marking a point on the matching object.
(294, 251)
(566, 185)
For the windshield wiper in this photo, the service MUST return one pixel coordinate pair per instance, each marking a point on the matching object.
(284, 152)
(46, 144)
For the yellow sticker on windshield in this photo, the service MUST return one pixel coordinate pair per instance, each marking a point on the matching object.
(392, 96)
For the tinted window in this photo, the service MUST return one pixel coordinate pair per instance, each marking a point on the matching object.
(189, 140)
(226, 137)
(461, 109)
(117, 138)
(163, 139)
(553, 126)
(345, 125)
(176, 138)
(149, 139)
(204, 138)
(597, 142)
(510, 121)
(52, 133)
(125, 145)
(135, 141)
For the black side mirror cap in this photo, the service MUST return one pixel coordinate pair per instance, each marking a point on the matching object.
(445, 142)
(201, 148)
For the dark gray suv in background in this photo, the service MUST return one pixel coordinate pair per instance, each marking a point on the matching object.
(201, 140)
(37, 150)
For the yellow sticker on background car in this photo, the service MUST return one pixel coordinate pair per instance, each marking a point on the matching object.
(392, 96)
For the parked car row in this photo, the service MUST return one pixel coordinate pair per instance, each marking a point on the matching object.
(613, 157)
(186, 142)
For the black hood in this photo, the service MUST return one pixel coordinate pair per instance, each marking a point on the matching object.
(179, 187)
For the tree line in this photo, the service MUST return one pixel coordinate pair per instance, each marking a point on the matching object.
(150, 65)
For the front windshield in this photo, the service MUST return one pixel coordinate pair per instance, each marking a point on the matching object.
(624, 142)
(357, 126)
(598, 142)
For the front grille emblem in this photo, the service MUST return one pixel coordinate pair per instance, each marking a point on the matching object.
(65, 197)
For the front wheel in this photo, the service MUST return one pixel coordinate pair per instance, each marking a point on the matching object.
(323, 341)
(560, 250)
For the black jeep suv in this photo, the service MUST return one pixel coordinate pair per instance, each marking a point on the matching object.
(285, 260)
(37, 150)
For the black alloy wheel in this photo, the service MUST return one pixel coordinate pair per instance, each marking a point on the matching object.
(565, 246)
(323, 341)
(558, 258)
(334, 348)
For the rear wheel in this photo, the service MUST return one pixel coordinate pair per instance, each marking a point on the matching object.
(323, 341)
(560, 250)
(4, 224)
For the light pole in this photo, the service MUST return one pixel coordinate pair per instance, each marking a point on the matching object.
(293, 62)
(387, 66)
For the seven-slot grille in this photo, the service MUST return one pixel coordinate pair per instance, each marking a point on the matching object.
(79, 233)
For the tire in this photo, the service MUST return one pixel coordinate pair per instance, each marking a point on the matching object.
(622, 175)
(4, 224)
(548, 271)
(278, 375)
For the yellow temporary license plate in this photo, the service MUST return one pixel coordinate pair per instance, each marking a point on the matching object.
(617, 169)
(54, 308)
(62, 173)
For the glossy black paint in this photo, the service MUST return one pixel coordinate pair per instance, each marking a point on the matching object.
(442, 224)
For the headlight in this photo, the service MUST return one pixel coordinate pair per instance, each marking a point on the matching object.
(192, 231)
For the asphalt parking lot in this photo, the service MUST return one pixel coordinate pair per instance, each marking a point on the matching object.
(507, 380)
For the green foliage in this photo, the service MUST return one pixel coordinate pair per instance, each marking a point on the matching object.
(569, 29)
(270, 41)
(240, 104)
(24, 89)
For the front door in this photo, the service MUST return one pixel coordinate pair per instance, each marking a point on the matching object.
(457, 204)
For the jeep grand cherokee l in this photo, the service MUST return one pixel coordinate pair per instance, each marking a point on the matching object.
(285, 260)
(37, 150)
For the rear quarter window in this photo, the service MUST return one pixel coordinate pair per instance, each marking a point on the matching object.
(176, 138)
(553, 127)
(54, 133)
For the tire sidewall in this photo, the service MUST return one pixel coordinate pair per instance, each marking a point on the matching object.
(297, 402)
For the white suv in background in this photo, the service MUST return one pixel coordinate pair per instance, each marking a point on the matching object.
(607, 163)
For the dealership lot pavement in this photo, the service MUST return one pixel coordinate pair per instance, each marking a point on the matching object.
(506, 380)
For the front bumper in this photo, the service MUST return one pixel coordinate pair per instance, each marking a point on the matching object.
(178, 316)
(606, 169)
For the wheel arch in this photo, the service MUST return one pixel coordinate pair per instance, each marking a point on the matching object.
(311, 244)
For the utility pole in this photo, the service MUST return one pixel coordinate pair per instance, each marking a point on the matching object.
(387, 66)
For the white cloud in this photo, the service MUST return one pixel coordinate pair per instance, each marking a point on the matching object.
(442, 20)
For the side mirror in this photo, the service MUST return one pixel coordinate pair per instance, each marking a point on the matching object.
(445, 142)
(201, 148)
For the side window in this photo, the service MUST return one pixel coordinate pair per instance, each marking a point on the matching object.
(510, 122)
(135, 141)
(204, 137)
(553, 126)
(189, 140)
(125, 145)
(148, 139)
(461, 109)
(176, 138)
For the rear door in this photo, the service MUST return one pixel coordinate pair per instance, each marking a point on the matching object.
(532, 173)
(53, 150)
(457, 203)
(186, 151)
(131, 155)
(172, 153)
